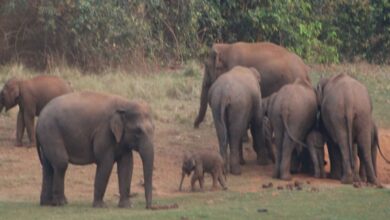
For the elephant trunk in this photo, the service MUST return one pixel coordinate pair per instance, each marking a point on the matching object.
(203, 101)
(181, 181)
(147, 156)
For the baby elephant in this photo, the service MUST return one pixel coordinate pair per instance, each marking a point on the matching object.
(200, 163)
(315, 143)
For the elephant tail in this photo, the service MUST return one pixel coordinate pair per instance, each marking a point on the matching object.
(39, 150)
(376, 141)
(224, 105)
(348, 125)
(284, 119)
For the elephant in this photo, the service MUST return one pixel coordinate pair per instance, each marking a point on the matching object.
(276, 65)
(200, 163)
(346, 113)
(235, 100)
(88, 127)
(315, 142)
(292, 112)
(31, 95)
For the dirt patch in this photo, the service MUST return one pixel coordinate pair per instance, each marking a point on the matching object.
(20, 170)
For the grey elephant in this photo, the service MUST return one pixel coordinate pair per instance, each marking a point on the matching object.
(346, 112)
(315, 142)
(87, 127)
(200, 163)
(235, 100)
(276, 65)
(31, 95)
(292, 112)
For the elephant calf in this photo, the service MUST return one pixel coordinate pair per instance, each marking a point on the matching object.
(315, 142)
(31, 96)
(200, 163)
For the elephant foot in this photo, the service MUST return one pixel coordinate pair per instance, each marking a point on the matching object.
(18, 144)
(235, 170)
(242, 161)
(286, 177)
(46, 202)
(125, 203)
(334, 175)
(347, 179)
(59, 201)
(99, 204)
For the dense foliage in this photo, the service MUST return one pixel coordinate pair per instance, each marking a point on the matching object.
(93, 34)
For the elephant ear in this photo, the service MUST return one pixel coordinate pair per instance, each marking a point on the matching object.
(117, 126)
(13, 87)
(256, 74)
(216, 54)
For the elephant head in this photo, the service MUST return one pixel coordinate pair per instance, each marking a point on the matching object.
(215, 65)
(10, 94)
(134, 128)
(188, 164)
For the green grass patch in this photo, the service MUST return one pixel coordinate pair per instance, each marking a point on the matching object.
(343, 202)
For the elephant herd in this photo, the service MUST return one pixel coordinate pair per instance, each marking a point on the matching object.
(266, 88)
(257, 86)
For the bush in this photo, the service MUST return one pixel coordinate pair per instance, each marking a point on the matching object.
(94, 34)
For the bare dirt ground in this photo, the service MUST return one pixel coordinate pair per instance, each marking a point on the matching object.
(20, 170)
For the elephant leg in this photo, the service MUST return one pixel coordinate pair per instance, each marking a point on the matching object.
(287, 149)
(214, 174)
(347, 176)
(374, 151)
(30, 126)
(221, 179)
(47, 183)
(201, 182)
(222, 140)
(262, 150)
(335, 160)
(321, 162)
(241, 152)
(278, 143)
(19, 129)
(357, 163)
(125, 171)
(235, 141)
(194, 178)
(58, 183)
(364, 145)
(103, 171)
(316, 163)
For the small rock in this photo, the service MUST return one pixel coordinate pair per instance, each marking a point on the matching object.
(279, 187)
(308, 182)
(266, 186)
(297, 184)
(262, 210)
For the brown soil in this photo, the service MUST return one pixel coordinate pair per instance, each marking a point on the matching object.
(20, 170)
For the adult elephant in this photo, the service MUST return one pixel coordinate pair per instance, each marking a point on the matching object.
(346, 112)
(235, 100)
(276, 65)
(292, 112)
(31, 96)
(87, 127)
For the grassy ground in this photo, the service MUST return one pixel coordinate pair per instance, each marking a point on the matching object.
(174, 97)
(329, 203)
